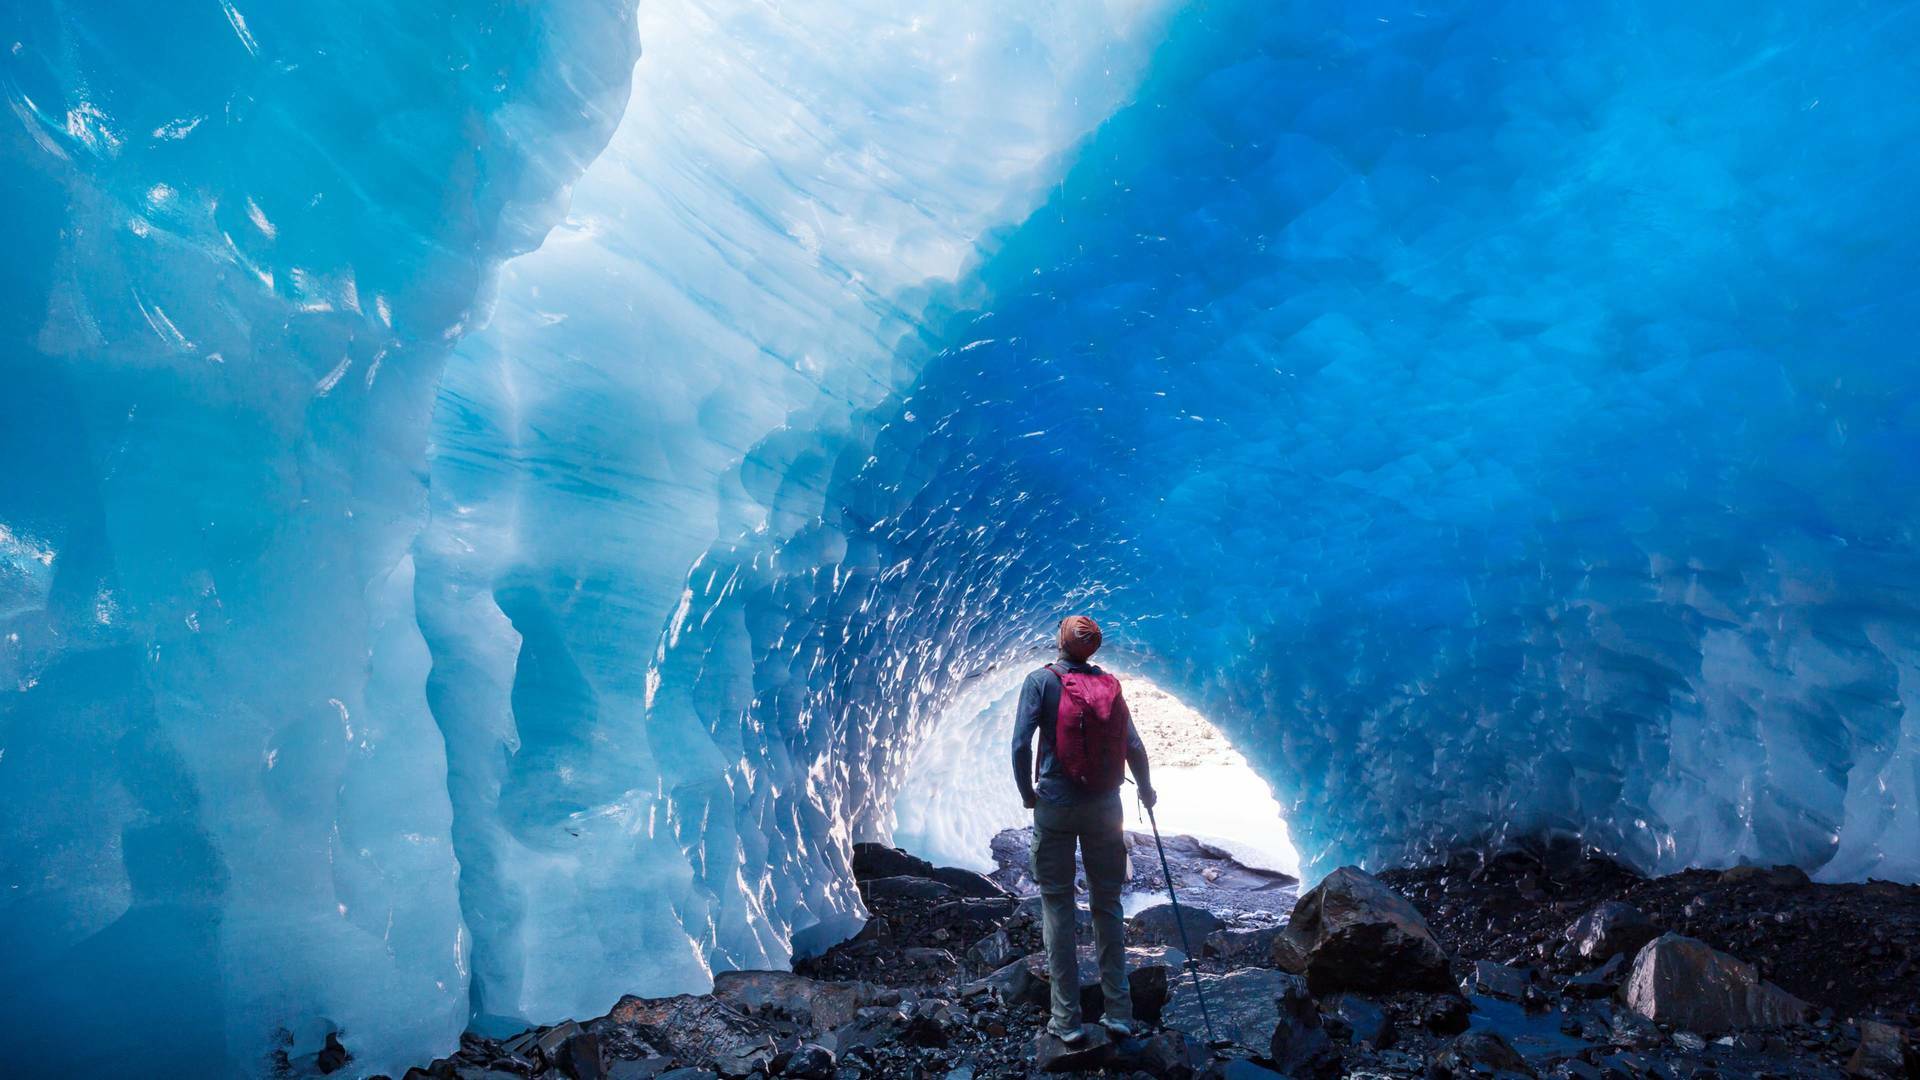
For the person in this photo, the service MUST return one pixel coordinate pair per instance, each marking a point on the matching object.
(1088, 811)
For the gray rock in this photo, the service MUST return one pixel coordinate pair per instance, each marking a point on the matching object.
(702, 1030)
(1687, 983)
(992, 951)
(1501, 981)
(1368, 1024)
(1601, 981)
(1484, 1049)
(966, 882)
(905, 888)
(582, 1057)
(1052, 1055)
(809, 1002)
(1243, 946)
(1611, 927)
(1155, 925)
(1300, 1045)
(1353, 933)
(1885, 1053)
(879, 861)
(1244, 1006)
(1165, 1054)
(809, 1061)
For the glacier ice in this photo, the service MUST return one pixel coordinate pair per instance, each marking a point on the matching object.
(485, 525)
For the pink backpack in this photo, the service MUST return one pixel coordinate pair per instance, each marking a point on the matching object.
(1090, 736)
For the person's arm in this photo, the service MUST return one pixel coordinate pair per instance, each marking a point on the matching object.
(1026, 721)
(1137, 758)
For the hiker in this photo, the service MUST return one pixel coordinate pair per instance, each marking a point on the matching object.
(1086, 735)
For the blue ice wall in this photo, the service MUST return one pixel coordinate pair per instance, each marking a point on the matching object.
(1498, 417)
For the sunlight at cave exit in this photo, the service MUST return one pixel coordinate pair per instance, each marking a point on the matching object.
(959, 790)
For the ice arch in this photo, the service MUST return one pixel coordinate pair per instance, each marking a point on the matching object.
(956, 792)
(1496, 416)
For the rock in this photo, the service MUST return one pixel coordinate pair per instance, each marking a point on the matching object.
(1052, 1055)
(1244, 1006)
(1026, 980)
(966, 882)
(333, 1056)
(1779, 877)
(1155, 925)
(1167, 1054)
(1601, 981)
(1242, 946)
(1575, 1069)
(1353, 933)
(1479, 1051)
(969, 910)
(992, 951)
(646, 1068)
(1447, 1015)
(1367, 1024)
(1885, 1053)
(1242, 1069)
(688, 1074)
(1300, 1046)
(548, 1042)
(809, 1061)
(699, 1029)
(1687, 983)
(874, 1026)
(582, 1058)
(811, 1003)
(1501, 981)
(1610, 928)
(879, 861)
(904, 888)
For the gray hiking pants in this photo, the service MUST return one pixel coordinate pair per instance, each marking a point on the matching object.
(1098, 828)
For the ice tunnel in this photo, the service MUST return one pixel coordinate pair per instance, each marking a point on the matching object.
(493, 497)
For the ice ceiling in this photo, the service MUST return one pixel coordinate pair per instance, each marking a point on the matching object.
(484, 524)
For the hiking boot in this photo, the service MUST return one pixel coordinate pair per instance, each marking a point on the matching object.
(1073, 1037)
(1119, 1029)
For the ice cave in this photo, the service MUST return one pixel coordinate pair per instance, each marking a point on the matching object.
(496, 499)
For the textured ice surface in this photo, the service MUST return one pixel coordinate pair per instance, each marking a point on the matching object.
(1494, 416)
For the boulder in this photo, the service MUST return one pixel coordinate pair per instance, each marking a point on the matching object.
(1885, 1053)
(1366, 1024)
(1612, 927)
(1501, 981)
(992, 951)
(1242, 946)
(1601, 981)
(582, 1057)
(904, 887)
(967, 883)
(879, 860)
(1050, 1055)
(874, 1025)
(1300, 1046)
(1350, 932)
(701, 1030)
(807, 1002)
(809, 1061)
(1244, 1006)
(1687, 983)
(1155, 925)
(1168, 1054)
(1479, 1052)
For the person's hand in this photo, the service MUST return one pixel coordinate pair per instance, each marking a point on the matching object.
(1148, 798)
(1028, 800)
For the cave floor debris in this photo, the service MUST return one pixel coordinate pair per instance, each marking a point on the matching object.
(1522, 965)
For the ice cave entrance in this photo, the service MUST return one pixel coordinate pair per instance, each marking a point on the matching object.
(958, 791)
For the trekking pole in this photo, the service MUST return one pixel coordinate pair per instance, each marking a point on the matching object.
(1193, 966)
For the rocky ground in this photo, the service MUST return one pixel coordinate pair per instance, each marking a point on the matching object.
(1550, 965)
